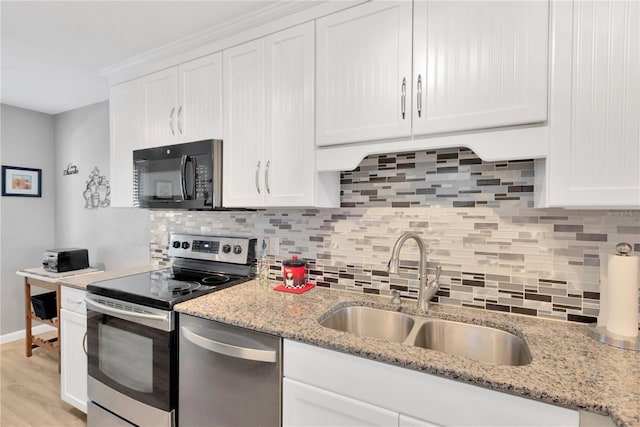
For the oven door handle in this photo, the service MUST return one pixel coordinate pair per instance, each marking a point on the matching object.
(106, 309)
(228, 349)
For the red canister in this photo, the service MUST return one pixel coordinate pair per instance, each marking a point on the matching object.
(294, 273)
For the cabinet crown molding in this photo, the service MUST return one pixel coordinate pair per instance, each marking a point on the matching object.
(233, 32)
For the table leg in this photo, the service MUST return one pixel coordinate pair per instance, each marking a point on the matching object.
(27, 312)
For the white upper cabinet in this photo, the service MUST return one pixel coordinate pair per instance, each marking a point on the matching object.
(289, 176)
(594, 157)
(479, 64)
(269, 152)
(476, 65)
(199, 114)
(160, 104)
(184, 103)
(364, 73)
(243, 147)
(126, 135)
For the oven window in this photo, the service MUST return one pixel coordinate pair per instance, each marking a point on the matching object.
(118, 345)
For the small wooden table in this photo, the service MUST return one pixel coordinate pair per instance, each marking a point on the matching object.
(32, 341)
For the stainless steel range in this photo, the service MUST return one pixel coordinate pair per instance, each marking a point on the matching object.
(131, 334)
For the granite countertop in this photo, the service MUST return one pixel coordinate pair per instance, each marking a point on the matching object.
(81, 282)
(568, 369)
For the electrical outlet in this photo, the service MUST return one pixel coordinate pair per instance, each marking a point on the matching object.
(273, 245)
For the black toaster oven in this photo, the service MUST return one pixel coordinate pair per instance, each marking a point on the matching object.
(61, 260)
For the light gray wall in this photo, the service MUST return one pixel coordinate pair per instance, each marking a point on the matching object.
(27, 223)
(115, 237)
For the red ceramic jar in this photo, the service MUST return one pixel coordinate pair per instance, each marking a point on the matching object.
(294, 273)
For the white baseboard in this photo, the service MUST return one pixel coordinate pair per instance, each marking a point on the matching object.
(19, 335)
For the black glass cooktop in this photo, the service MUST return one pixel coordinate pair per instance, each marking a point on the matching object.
(164, 288)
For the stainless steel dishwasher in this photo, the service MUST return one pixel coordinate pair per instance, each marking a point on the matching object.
(228, 376)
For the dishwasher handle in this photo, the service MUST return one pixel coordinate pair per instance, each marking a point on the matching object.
(245, 353)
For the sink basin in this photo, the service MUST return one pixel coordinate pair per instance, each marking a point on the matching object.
(462, 339)
(473, 341)
(371, 322)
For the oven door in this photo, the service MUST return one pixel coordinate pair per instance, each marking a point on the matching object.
(131, 359)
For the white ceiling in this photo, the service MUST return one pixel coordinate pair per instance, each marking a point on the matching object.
(52, 51)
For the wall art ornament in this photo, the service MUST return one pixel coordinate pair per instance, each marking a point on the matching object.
(21, 182)
(96, 195)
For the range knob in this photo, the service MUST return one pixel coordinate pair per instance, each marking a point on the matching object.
(226, 249)
(237, 249)
(176, 244)
(185, 245)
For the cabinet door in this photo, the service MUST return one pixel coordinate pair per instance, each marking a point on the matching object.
(126, 135)
(161, 107)
(73, 360)
(364, 73)
(290, 149)
(407, 421)
(479, 64)
(305, 405)
(199, 114)
(594, 153)
(243, 160)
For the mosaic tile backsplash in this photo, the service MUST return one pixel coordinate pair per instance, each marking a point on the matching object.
(496, 251)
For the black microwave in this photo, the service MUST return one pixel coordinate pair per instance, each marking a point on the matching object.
(181, 176)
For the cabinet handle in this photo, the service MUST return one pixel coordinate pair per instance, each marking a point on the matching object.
(180, 120)
(173, 109)
(403, 98)
(419, 97)
(266, 177)
(84, 344)
(258, 177)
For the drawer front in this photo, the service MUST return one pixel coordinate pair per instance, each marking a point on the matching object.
(73, 300)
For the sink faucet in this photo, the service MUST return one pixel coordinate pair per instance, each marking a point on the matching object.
(425, 291)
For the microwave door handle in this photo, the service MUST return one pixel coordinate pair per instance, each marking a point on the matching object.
(183, 177)
(194, 168)
(228, 349)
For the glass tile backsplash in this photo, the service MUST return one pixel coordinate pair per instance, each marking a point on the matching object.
(496, 251)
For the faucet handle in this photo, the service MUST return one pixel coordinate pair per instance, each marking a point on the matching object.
(436, 280)
(438, 271)
(395, 296)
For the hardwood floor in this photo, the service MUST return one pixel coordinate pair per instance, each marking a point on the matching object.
(30, 390)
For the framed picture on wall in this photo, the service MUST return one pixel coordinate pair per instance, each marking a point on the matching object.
(21, 182)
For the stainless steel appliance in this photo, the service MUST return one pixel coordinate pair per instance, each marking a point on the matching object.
(61, 260)
(182, 176)
(229, 376)
(131, 334)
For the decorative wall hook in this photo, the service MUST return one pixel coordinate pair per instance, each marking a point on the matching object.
(70, 170)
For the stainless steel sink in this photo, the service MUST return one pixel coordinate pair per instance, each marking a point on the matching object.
(462, 339)
(371, 322)
(473, 341)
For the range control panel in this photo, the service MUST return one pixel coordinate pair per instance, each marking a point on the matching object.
(237, 250)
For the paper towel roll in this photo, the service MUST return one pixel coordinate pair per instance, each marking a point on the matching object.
(622, 295)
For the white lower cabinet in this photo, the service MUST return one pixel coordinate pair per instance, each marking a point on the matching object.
(73, 366)
(306, 405)
(406, 421)
(342, 389)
